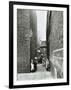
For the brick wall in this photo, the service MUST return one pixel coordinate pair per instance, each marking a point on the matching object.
(56, 30)
(23, 41)
(55, 40)
(33, 42)
(26, 39)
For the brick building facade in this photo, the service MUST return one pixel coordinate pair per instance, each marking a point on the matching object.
(25, 32)
(55, 40)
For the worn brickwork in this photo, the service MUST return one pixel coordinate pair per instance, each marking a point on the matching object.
(55, 40)
(56, 30)
(26, 39)
(57, 62)
(23, 41)
(33, 42)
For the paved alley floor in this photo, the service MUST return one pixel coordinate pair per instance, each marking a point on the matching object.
(40, 74)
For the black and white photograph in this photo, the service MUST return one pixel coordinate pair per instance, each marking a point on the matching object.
(39, 44)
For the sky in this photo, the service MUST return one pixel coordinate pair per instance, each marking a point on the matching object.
(41, 25)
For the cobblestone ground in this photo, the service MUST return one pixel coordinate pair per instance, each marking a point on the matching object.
(40, 74)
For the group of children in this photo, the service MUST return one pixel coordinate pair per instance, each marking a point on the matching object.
(43, 59)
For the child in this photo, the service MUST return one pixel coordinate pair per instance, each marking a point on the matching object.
(32, 65)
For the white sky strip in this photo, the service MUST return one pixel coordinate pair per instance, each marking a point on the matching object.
(41, 25)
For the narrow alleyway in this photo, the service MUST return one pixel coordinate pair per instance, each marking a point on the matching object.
(40, 74)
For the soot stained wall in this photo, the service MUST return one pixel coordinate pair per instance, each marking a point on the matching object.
(26, 39)
(56, 30)
(55, 40)
(23, 41)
